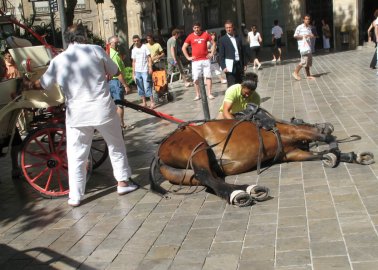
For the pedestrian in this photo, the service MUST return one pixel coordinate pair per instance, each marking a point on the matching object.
(238, 96)
(215, 68)
(157, 53)
(303, 35)
(373, 38)
(231, 55)
(142, 71)
(11, 67)
(173, 57)
(254, 40)
(326, 35)
(200, 58)
(376, 34)
(117, 84)
(80, 71)
(315, 33)
(276, 40)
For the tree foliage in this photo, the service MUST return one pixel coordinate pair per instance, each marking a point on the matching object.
(70, 11)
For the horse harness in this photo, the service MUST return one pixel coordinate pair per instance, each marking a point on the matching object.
(262, 119)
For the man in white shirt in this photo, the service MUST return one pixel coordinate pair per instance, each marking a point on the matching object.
(276, 40)
(142, 71)
(81, 71)
(303, 35)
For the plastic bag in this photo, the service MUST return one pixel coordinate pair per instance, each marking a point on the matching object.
(304, 47)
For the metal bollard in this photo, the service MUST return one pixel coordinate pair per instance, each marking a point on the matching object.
(205, 105)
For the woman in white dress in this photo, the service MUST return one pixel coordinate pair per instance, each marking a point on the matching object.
(215, 68)
(326, 35)
(254, 39)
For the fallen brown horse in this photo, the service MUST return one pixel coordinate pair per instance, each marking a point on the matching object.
(204, 154)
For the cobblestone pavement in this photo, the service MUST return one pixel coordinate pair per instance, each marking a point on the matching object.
(318, 218)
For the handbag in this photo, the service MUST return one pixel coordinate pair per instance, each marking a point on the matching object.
(304, 47)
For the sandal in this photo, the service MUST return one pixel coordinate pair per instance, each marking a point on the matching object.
(127, 127)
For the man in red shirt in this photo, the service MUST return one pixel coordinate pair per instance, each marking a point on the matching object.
(200, 57)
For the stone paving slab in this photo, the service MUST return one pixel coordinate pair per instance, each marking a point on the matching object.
(318, 218)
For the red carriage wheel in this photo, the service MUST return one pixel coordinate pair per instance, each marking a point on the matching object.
(43, 160)
(99, 150)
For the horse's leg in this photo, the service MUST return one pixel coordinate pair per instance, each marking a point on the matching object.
(302, 155)
(363, 158)
(204, 173)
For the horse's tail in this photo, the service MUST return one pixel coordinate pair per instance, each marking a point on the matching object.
(154, 185)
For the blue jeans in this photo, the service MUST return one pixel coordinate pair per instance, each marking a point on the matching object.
(144, 84)
(116, 89)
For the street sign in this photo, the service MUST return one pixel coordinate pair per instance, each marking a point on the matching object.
(53, 5)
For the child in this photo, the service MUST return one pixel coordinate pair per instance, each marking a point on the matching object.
(12, 70)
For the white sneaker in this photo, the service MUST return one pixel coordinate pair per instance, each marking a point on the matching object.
(128, 189)
(274, 60)
(259, 66)
(73, 202)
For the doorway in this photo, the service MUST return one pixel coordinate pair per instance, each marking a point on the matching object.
(319, 10)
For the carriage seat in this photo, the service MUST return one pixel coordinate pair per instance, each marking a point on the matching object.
(32, 60)
(16, 42)
(42, 98)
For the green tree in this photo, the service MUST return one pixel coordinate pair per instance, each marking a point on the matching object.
(70, 11)
(121, 26)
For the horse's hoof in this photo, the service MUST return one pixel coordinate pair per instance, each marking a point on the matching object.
(258, 193)
(330, 160)
(328, 129)
(325, 128)
(240, 198)
(365, 158)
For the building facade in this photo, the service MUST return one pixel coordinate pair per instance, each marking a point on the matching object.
(348, 19)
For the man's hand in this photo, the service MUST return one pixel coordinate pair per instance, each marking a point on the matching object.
(227, 107)
(27, 84)
(127, 89)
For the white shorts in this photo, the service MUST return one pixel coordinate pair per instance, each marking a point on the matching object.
(201, 67)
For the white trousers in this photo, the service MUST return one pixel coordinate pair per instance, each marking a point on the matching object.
(79, 140)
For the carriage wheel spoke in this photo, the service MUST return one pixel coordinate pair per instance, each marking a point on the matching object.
(64, 171)
(39, 175)
(49, 180)
(34, 165)
(41, 145)
(59, 146)
(59, 179)
(51, 138)
(39, 155)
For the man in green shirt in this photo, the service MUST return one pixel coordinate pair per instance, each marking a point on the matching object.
(118, 84)
(238, 96)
